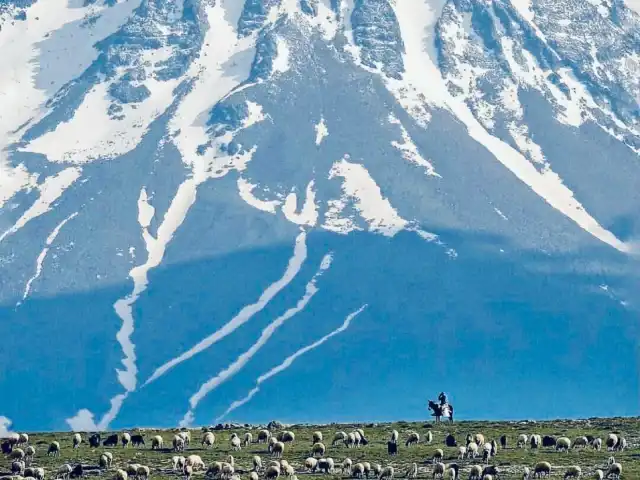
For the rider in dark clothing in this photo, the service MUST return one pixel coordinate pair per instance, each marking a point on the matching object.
(443, 398)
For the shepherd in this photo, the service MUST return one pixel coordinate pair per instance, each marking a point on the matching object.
(444, 409)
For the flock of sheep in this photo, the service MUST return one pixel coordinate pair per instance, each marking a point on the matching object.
(21, 453)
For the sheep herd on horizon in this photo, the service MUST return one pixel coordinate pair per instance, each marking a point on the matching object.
(21, 453)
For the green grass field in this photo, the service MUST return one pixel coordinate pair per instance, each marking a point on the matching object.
(510, 461)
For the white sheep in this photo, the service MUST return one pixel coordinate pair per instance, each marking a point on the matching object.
(54, 449)
(311, 464)
(272, 472)
(357, 471)
(254, 476)
(346, 466)
(598, 474)
(452, 474)
(413, 470)
(611, 461)
(376, 468)
(286, 469)
(38, 473)
(318, 449)
(612, 441)
(257, 463)
(487, 477)
(387, 472)
(187, 470)
(326, 465)
(235, 442)
(132, 469)
(227, 470)
(472, 450)
(208, 439)
(542, 468)
(316, 437)
(428, 438)
(475, 473)
(486, 452)
(77, 440)
(621, 445)
(178, 443)
(339, 437)
(247, 439)
(186, 435)
(614, 471)
(18, 454)
(157, 442)
(438, 455)
(277, 449)
(573, 471)
(231, 461)
(177, 463)
(23, 439)
(263, 436)
(462, 451)
(65, 471)
(394, 436)
(479, 438)
(412, 439)
(597, 444)
(103, 461)
(109, 456)
(581, 442)
(143, 471)
(30, 452)
(126, 439)
(121, 475)
(18, 467)
(522, 440)
(195, 461)
(215, 469)
(563, 443)
(286, 436)
(526, 473)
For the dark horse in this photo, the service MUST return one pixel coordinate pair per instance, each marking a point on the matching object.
(440, 411)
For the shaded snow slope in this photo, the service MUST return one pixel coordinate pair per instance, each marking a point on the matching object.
(201, 196)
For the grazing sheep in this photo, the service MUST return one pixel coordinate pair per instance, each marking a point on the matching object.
(486, 452)
(23, 439)
(109, 458)
(186, 436)
(143, 471)
(318, 449)
(247, 439)
(178, 443)
(54, 449)
(178, 462)
(7, 447)
(18, 454)
(573, 471)
(376, 468)
(563, 443)
(479, 438)
(490, 470)
(597, 444)
(487, 477)
(535, 441)
(357, 471)
(367, 468)
(121, 475)
(358, 438)
(254, 476)
(387, 472)
(580, 442)
(65, 471)
(77, 440)
(227, 470)
(235, 442)
(286, 437)
(394, 436)
(612, 441)
(311, 464)
(450, 441)
(208, 439)
(438, 455)
(126, 440)
(38, 473)
(599, 474)
(428, 438)
(271, 443)
(413, 470)
(548, 441)
(472, 450)
(526, 472)
(111, 441)
(17, 467)
(30, 452)
(542, 469)
(257, 463)
(316, 437)
(614, 471)
(326, 465)
(412, 439)
(438, 470)
(188, 471)
(346, 466)
(287, 469)
(277, 450)
(350, 441)
(339, 437)
(522, 440)
(263, 436)
(621, 445)
(195, 461)
(494, 448)
(157, 442)
(503, 441)
(231, 461)
(103, 461)
(462, 451)
(137, 440)
(215, 468)
(392, 448)
(452, 474)
(272, 472)
(94, 440)
(475, 473)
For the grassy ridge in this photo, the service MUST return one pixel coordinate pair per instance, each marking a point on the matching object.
(511, 460)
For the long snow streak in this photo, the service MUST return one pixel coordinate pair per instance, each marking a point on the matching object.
(425, 78)
(43, 254)
(288, 362)
(295, 263)
(242, 360)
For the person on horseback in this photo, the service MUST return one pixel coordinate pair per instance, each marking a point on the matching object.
(443, 398)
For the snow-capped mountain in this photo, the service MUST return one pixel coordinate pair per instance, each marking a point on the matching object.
(317, 210)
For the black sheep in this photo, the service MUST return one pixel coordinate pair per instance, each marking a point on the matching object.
(548, 441)
(94, 440)
(491, 470)
(392, 448)
(111, 441)
(137, 440)
(450, 441)
(7, 447)
(77, 471)
(503, 441)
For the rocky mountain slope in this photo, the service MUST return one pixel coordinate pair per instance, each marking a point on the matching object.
(205, 204)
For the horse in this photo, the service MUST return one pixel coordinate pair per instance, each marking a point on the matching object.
(440, 411)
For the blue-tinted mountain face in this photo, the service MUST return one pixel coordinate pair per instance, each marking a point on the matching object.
(317, 210)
